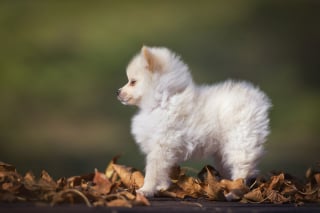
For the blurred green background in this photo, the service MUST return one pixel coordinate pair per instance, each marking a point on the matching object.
(62, 62)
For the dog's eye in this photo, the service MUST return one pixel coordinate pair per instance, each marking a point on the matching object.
(133, 82)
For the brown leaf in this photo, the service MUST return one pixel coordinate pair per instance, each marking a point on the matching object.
(110, 172)
(6, 167)
(8, 187)
(276, 182)
(10, 181)
(275, 197)
(46, 182)
(288, 188)
(102, 183)
(116, 187)
(203, 174)
(77, 180)
(214, 189)
(141, 200)
(309, 173)
(46, 177)
(317, 178)
(129, 176)
(30, 182)
(254, 195)
(70, 196)
(119, 203)
(177, 172)
(175, 191)
(127, 195)
(29, 177)
(215, 193)
(99, 202)
(190, 186)
(62, 183)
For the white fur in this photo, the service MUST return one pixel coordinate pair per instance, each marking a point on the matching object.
(179, 120)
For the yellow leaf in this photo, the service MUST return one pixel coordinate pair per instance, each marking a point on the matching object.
(110, 170)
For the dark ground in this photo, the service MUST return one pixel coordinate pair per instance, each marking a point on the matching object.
(168, 205)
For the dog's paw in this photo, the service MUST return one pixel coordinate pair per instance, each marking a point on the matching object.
(146, 192)
(234, 195)
(163, 186)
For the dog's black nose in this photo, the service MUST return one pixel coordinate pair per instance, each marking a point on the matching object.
(118, 92)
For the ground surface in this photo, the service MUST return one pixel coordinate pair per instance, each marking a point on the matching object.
(168, 205)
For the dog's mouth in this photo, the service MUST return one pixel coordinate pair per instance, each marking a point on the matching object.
(124, 101)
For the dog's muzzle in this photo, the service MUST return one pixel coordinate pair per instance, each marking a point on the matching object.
(118, 92)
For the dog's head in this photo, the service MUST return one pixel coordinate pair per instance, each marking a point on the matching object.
(151, 74)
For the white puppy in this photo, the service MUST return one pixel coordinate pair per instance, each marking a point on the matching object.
(179, 120)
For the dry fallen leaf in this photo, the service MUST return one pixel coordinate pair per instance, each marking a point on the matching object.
(276, 182)
(275, 197)
(190, 186)
(176, 172)
(6, 167)
(119, 203)
(317, 178)
(46, 182)
(141, 200)
(255, 195)
(214, 189)
(110, 172)
(116, 187)
(102, 183)
(129, 176)
(77, 180)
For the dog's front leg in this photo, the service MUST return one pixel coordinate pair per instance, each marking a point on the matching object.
(158, 165)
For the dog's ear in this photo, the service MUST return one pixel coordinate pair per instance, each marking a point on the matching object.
(152, 63)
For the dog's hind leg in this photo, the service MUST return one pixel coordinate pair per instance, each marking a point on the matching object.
(240, 157)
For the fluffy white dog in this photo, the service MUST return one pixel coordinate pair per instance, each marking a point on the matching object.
(179, 120)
